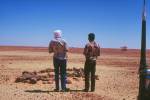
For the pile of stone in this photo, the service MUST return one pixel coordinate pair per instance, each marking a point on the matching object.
(34, 77)
(75, 72)
(47, 76)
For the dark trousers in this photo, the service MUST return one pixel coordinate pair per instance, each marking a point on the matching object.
(60, 68)
(90, 68)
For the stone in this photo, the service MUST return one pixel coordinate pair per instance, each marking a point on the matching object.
(69, 81)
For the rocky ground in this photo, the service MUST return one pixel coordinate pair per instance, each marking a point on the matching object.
(116, 70)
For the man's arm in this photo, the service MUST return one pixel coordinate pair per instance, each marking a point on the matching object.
(66, 46)
(50, 48)
(85, 50)
(98, 54)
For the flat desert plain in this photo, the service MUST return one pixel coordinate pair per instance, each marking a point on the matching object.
(117, 71)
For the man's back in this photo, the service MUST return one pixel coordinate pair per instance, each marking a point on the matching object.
(92, 50)
(59, 47)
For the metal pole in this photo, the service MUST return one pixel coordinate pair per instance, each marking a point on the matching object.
(142, 90)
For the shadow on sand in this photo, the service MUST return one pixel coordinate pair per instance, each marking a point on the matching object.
(46, 91)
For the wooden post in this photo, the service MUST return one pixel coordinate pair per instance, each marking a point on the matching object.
(142, 67)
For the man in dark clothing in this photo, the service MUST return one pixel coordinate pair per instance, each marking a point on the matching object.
(59, 47)
(91, 52)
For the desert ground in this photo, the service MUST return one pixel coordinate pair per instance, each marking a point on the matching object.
(117, 71)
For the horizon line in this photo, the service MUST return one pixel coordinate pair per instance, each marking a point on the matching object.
(69, 47)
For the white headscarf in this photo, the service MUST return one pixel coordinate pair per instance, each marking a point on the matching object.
(57, 34)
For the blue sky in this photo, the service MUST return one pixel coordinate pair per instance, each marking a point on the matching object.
(31, 22)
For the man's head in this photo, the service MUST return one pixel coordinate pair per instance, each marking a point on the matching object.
(91, 37)
(57, 33)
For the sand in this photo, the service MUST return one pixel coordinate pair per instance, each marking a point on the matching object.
(117, 71)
